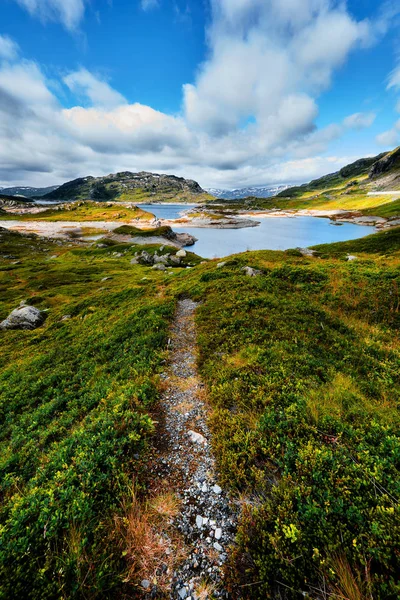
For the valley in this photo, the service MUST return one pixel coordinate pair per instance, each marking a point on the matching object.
(200, 412)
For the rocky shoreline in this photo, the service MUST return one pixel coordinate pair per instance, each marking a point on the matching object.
(338, 216)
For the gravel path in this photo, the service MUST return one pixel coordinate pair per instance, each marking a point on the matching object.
(206, 521)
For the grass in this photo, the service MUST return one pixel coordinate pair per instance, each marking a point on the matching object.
(87, 211)
(163, 231)
(382, 243)
(301, 366)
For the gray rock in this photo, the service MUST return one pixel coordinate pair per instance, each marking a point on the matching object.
(145, 258)
(182, 593)
(250, 272)
(175, 260)
(306, 251)
(199, 521)
(351, 257)
(197, 438)
(217, 490)
(221, 264)
(24, 317)
(145, 583)
(218, 533)
(218, 547)
(66, 318)
(181, 253)
(160, 267)
(161, 259)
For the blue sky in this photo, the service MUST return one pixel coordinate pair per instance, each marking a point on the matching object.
(229, 92)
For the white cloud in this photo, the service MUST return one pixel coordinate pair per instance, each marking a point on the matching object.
(98, 92)
(8, 48)
(394, 79)
(391, 137)
(248, 118)
(359, 120)
(149, 4)
(262, 54)
(68, 12)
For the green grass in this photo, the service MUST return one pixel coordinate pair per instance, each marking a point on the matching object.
(75, 397)
(389, 208)
(384, 242)
(302, 371)
(86, 211)
(163, 231)
(301, 367)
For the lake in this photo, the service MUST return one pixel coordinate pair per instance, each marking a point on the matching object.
(277, 233)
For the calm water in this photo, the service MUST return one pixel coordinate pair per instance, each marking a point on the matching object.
(279, 233)
(167, 211)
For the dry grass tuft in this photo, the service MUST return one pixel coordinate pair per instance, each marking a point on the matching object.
(204, 591)
(350, 585)
(150, 546)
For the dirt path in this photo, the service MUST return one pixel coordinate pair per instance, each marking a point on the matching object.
(206, 521)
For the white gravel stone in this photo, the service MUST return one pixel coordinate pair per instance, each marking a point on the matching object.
(197, 438)
(217, 489)
(218, 533)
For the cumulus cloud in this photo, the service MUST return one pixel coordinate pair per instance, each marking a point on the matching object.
(249, 117)
(96, 91)
(265, 54)
(8, 48)
(67, 12)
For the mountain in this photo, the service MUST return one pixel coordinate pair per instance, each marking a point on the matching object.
(134, 187)
(255, 192)
(28, 192)
(371, 173)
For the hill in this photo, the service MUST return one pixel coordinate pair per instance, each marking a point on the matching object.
(27, 191)
(13, 201)
(131, 187)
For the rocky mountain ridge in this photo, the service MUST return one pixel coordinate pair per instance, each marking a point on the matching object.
(253, 191)
(128, 186)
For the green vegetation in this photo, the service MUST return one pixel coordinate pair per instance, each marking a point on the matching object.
(384, 243)
(302, 371)
(163, 231)
(86, 211)
(75, 397)
(131, 187)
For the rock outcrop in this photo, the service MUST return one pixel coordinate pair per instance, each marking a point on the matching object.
(24, 317)
(386, 164)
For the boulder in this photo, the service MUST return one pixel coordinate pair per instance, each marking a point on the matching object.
(145, 258)
(181, 253)
(250, 272)
(175, 260)
(185, 239)
(24, 317)
(160, 267)
(161, 259)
